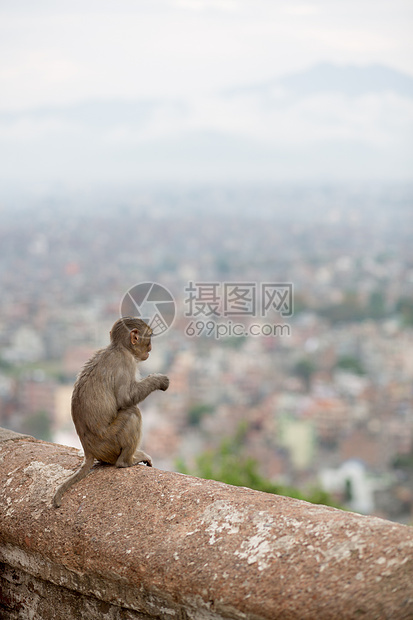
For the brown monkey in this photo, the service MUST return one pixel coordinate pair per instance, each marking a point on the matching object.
(105, 398)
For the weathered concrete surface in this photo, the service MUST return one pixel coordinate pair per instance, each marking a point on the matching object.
(143, 543)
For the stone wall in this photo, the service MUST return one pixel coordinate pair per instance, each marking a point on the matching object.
(144, 543)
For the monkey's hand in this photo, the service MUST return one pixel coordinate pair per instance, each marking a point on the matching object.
(162, 380)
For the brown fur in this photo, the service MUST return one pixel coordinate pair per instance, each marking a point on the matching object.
(105, 398)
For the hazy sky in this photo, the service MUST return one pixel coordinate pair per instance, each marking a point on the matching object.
(58, 52)
(187, 52)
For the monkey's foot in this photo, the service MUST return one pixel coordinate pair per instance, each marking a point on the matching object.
(141, 457)
(138, 457)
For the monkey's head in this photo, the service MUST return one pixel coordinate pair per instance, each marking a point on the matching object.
(134, 334)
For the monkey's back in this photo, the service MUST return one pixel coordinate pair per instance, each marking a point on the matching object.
(94, 404)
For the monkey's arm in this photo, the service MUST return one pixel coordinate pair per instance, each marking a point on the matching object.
(132, 393)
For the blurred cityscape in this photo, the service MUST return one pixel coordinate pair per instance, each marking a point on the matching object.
(328, 401)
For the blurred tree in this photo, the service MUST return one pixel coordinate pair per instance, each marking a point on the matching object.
(348, 491)
(5, 366)
(349, 309)
(233, 342)
(403, 461)
(228, 464)
(300, 304)
(350, 363)
(38, 425)
(197, 412)
(377, 306)
(304, 369)
(404, 307)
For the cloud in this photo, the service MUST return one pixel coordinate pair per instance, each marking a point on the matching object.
(70, 51)
(333, 120)
(207, 5)
(301, 9)
(40, 65)
(28, 130)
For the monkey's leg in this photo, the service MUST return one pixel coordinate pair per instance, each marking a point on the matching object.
(79, 475)
(128, 426)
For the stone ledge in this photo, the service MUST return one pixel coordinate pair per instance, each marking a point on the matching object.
(145, 543)
(7, 435)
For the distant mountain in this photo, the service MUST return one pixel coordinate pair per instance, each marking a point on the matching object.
(325, 78)
(316, 123)
(352, 81)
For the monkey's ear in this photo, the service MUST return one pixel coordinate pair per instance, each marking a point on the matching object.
(134, 336)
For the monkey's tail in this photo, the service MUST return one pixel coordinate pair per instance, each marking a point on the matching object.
(79, 475)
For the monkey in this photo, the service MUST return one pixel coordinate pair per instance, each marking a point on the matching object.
(105, 398)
